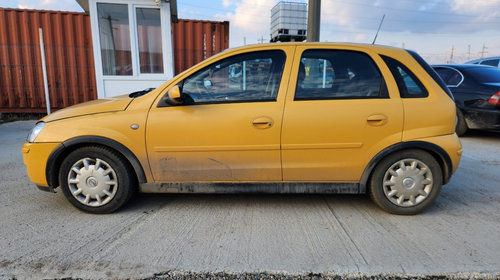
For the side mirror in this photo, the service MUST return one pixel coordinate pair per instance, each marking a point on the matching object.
(173, 96)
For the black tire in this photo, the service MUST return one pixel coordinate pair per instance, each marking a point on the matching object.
(104, 179)
(392, 186)
(461, 127)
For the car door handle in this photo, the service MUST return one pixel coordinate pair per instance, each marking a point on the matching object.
(377, 120)
(262, 122)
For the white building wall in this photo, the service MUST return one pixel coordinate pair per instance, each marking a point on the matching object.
(109, 85)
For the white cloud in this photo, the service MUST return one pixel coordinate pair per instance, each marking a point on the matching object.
(58, 5)
(483, 9)
(430, 16)
(227, 3)
(362, 37)
(252, 15)
(250, 19)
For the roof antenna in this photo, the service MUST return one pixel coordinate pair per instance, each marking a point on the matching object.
(380, 25)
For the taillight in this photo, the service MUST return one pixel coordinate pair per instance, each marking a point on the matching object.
(495, 99)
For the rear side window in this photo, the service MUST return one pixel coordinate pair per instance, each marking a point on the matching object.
(409, 85)
(338, 74)
(451, 77)
(490, 62)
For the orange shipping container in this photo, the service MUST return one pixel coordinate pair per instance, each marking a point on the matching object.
(68, 53)
(196, 40)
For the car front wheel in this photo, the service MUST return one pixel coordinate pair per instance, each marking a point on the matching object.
(96, 179)
(406, 182)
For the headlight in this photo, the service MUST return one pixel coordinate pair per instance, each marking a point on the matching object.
(35, 131)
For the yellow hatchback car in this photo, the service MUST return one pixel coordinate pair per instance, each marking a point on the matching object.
(272, 118)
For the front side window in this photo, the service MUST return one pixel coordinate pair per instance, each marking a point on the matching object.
(333, 74)
(149, 40)
(114, 34)
(248, 77)
(408, 84)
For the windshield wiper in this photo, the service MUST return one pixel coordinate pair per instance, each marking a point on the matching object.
(140, 93)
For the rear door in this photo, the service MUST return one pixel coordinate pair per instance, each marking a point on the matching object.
(339, 113)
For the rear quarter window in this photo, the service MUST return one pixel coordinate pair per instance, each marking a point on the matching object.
(431, 73)
(408, 84)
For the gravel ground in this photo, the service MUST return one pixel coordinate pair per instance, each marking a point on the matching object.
(252, 236)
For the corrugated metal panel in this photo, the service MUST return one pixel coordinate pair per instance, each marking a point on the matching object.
(196, 40)
(69, 56)
(68, 53)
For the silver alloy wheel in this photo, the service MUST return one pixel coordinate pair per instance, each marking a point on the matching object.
(92, 182)
(408, 182)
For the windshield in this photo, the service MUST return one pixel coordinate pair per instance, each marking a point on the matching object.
(485, 74)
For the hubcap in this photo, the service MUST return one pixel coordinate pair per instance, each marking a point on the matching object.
(408, 182)
(92, 182)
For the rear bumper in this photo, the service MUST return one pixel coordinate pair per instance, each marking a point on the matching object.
(482, 118)
(451, 145)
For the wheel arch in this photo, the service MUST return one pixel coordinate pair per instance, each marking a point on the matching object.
(60, 152)
(434, 150)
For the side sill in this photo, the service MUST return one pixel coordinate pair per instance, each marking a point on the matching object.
(279, 187)
(46, 189)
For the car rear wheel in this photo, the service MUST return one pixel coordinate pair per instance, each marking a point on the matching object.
(461, 127)
(406, 182)
(96, 179)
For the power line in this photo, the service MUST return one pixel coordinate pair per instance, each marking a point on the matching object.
(404, 10)
(472, 17)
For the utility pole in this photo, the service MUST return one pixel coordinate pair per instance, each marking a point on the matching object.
(468, 52)
(451, 56)
(483, 51)
(313, 20)
(244, 40)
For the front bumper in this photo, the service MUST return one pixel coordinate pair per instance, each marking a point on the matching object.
(35, 156)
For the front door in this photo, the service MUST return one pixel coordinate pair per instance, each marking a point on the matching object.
(228, 128)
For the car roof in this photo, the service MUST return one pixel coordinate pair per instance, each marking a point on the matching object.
(462, 66)
(482, 59)
(319, 44)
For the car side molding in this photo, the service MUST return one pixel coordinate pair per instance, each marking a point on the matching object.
(265, 187)
(439, 154)
(56, 157)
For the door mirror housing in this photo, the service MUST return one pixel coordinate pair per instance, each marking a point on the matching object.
(173, 96)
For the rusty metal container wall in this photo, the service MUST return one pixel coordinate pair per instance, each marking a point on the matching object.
(68, 53)
(196, 40)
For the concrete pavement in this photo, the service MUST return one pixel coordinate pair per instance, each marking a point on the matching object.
(43, 236)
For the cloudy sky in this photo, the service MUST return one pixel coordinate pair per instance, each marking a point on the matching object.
(431, 27)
